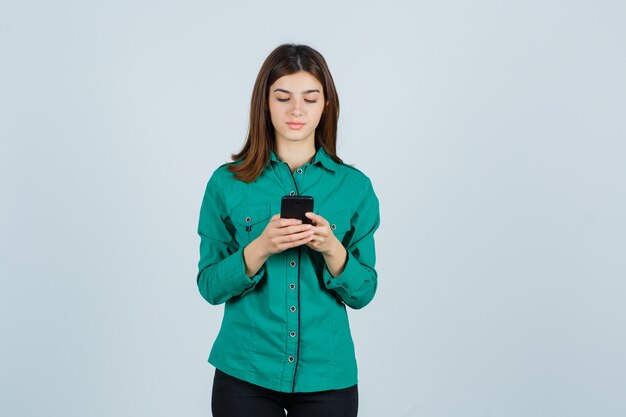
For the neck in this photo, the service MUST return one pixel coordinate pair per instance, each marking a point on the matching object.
(295, 154)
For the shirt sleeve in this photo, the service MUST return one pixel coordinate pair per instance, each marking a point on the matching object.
(357, 283)
(221, 269)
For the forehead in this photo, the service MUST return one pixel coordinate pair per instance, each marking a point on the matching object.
(298, 82)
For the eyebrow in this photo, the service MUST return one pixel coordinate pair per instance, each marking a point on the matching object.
(304, 92)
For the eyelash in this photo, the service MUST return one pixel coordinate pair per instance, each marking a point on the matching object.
(282, 100)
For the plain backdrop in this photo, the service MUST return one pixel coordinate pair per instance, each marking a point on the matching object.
(493, 132)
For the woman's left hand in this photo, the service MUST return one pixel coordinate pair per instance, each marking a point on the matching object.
(323, 239)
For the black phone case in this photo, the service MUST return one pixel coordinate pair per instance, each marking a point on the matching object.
(294, 207)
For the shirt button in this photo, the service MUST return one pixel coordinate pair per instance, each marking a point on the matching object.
(292, 286)
(248, 219)
(290, 359)
(292, 308)
(292, 334)
(299, 170)
(332, 226)
(292, 193)
(292, 264)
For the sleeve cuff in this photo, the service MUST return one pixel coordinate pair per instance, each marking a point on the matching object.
(249, 282)
(231, 273)
(347, 279)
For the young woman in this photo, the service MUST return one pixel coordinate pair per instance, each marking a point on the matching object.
(285, 341)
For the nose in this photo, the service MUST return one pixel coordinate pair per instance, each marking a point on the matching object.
(296, 110)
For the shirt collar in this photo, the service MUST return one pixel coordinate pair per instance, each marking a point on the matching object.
(320, 157)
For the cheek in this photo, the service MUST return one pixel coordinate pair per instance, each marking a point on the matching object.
(274, 113)
(318, 113)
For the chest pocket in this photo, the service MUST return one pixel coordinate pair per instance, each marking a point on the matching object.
(250, 221)
(339, 224)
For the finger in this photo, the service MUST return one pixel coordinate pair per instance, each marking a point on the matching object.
(297, 236)
(283, 222)
(319, 220)
(296, 229)
(295, 243)
(275, 218)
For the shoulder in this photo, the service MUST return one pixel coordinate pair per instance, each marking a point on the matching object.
(221, 174)
(220, 185)
(219, 182)
(355, 176)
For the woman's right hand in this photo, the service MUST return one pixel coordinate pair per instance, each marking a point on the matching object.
(278, 235)
(282, 234)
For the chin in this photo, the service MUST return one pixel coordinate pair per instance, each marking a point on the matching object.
(295, 138)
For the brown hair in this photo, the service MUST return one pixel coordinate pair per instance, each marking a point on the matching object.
(286, 59)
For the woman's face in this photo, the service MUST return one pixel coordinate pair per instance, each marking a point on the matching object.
(296, 104)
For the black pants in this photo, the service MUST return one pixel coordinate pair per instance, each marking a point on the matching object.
(233, 397)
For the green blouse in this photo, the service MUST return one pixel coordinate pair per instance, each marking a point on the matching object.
(287, 328)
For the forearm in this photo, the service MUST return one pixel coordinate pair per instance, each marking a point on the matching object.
(356, 280)
(336, 258)
(254, 257)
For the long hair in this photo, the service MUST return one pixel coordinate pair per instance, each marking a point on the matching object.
(286, 59)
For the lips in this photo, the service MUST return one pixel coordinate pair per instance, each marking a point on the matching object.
(295, 125)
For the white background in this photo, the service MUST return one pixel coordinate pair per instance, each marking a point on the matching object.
(493, 132)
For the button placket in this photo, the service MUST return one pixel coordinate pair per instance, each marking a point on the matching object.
(292, 314)
(293, 297)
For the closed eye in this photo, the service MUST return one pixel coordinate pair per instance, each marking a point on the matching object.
(282, 100)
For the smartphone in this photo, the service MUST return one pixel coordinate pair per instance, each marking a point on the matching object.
(294, 207)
